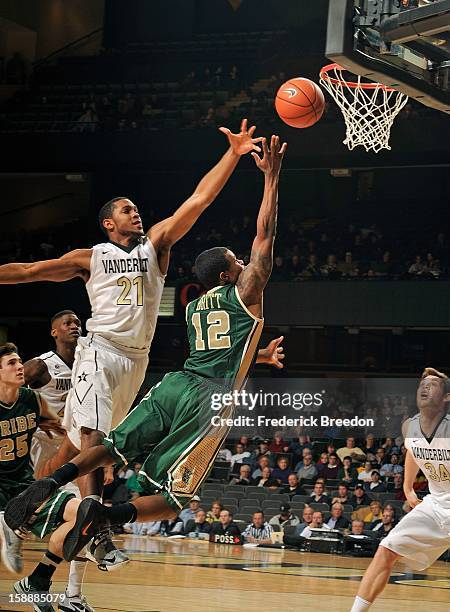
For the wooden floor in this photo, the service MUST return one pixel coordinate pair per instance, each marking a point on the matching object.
(168, 575)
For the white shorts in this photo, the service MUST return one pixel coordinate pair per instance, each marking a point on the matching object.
(421, 536)
(44, 448)
(105, 383)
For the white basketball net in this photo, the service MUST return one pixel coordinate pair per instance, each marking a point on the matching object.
(369, 109)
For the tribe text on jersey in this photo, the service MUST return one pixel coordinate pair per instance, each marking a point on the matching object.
(125, 288)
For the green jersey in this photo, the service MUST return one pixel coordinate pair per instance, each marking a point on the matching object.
(223, 336)
(17, 426)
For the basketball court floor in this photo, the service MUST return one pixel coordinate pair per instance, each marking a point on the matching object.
(170, 575)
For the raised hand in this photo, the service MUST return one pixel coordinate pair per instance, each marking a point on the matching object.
(273, 353)
(271, 160)
(243, 142)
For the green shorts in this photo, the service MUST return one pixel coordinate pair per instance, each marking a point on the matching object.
(172, 424)
(48, 519)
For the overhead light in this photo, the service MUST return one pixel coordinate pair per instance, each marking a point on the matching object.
(341, 172)
(75, 178)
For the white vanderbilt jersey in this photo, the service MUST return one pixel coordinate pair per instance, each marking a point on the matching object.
(57, 389)
(432, 455)
(125, 289)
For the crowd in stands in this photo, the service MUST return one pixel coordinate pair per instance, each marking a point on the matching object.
(292, 488)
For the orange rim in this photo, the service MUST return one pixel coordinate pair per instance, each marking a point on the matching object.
(326, 77)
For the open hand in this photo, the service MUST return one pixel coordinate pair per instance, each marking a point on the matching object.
(271, 161)
(243, 142)
(273, 353)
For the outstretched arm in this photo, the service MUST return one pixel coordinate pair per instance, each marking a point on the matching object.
(254, 278)
(73, 264)
(165, 233)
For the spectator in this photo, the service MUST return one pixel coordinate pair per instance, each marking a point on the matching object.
(285, 518)
(259, 531)
(225, 454)
(296, 448)
(189, 513)
(132, 483)
(384, 526)
(375, 513)
(369, 448)
(293, 487)
(348, 472)
(357, 527)
(316, 523)
(213, 514)
(397, 487)
(278, 445)
(318, 495)
(330, 471)
(306, 452)
(307, 515)
(263, 462)
(350, 449)
(198, 525)
(375, 485)
(172, 527)
(244, 477)
(87, 122)
(388, 470)
(365, 475)
(337, 519)
(323, 461)
(348, 268)
(330, 269)
(239, 455)
(150, 528)
(282, 471)
(262, 450)
(225, 525)
(342, 494)
(380, 457)
(266, 479)
(360, 497)
(279, 271)
(308, 471)
(418, 268)
(312, 268)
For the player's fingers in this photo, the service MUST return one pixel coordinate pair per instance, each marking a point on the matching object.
(280, 339)
(255, 148)
(259, 139)
(225, 130)
(256, 157)
(264, 146)
(282, 151)
(252, 130)
(244, 125)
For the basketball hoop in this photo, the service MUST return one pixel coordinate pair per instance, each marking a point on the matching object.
(369, 109)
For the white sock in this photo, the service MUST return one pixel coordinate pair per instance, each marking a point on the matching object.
(76, 575)
(360, 605)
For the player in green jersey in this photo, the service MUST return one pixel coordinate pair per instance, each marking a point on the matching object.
(173, 422)
(21, 411)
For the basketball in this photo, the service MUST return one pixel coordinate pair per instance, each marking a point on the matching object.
(299, 102)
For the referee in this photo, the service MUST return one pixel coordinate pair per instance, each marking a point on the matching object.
(259, 531)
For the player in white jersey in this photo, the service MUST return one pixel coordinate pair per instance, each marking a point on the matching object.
(124, 278)
(51, 375)
(423, 535)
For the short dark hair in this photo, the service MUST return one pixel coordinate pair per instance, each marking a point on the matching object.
(106, 212)
(209, 264)
(7, 349)
(60, 314)
(441, 375)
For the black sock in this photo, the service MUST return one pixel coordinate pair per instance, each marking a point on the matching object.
(41, 577)
(65, 474)
(122, 513)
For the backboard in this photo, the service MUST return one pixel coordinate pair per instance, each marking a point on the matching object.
(404, 44)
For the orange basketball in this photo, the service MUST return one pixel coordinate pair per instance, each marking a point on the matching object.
(299, 102)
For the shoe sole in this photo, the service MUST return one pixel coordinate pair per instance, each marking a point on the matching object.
(19, 510)
(18, 589)
(4, 552)
(106, 568)
(86, 526)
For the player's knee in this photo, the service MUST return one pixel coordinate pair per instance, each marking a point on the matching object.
(386, 556)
